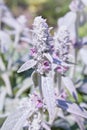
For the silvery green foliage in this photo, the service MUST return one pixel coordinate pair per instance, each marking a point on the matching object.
(18, 118)
(42, 61)
(28, 114)
(78, 7)
(9, 60)
(22, 20)
(18, 25)
(5, 41)
(7, 18)
(77, 17)
(60, 57)
(49, 97)
(24, 30)
(40, 109)
(27, 65)
(72, 108)
(70, 86)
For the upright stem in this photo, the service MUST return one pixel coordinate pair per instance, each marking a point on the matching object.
(74, 71)
(41, 94)
(59, 82)
(40, 85)
(77, 37)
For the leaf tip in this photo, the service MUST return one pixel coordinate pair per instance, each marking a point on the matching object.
(19, 70)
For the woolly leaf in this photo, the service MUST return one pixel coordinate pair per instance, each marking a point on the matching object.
(70, 86)
(49, 97)
(35, 78)
(27, 65)
(72, 108)
(16, 120)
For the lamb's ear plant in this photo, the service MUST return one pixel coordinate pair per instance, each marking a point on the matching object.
(51, 60)
(42, 62)
(49, 55)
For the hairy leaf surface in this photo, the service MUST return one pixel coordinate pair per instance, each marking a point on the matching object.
(72, 108)
(70, 86)
(16, 120)
(27, 65)
(49, 97)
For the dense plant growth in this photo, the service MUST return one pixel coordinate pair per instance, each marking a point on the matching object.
(43, 77)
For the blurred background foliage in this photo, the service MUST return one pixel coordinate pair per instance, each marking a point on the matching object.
(49, 9)
(83, 30)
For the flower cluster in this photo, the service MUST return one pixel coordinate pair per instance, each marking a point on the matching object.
(33, 104)
(62, 49)
(42, 44)
(41, 41)
(44, 53)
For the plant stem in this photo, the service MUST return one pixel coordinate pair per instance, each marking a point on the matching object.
(41, 94)
(40, 85)
(77, 40)
(59, 82)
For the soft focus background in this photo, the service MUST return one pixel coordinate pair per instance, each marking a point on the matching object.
(49, 9)
(14, 86)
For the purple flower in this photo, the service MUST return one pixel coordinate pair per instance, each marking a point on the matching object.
(33, 51)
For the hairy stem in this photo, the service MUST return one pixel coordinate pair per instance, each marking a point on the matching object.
(59, 82)
(77, 37)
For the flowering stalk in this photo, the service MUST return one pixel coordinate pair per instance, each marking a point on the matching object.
(77, 39)
(42, 61)
(61, 53)
(77, 6)
(42, 42)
